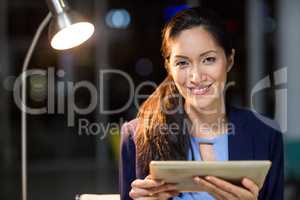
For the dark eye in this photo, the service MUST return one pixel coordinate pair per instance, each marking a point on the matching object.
(181, 64)
(209, 60)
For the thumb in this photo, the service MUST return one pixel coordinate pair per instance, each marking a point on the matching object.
(148, 177)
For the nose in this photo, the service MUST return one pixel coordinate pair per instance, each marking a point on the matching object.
(196, 75)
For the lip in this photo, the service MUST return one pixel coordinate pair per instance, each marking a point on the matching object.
(200, 90)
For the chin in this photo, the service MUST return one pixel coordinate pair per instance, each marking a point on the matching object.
(204, 105)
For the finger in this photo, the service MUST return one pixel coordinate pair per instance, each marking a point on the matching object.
(224, 185)
(139, 192)
(143, 192)
(146, 183)
(159, 196)
(251, 186)
(217, 191)
(229, 187)
(164, 188)
(199, 182)
(174, 193)
(146, 198)
(148, 177)
(216, 196)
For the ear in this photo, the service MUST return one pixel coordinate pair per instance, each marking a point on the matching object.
(231, 60)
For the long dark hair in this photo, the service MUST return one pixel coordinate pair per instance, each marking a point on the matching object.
(154, 139)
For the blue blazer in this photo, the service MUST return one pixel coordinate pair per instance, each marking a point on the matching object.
(252, 140)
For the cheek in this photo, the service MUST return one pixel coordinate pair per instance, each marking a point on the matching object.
(180, 79)
(219, 72)
(220, 75)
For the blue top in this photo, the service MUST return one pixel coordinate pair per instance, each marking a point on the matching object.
(220, 146)
(249, 138)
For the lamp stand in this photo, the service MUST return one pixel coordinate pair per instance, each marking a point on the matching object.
(24, 107)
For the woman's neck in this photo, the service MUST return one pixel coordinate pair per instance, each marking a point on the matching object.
(207, 121)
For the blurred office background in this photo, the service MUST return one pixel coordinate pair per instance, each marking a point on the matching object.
(62, 160)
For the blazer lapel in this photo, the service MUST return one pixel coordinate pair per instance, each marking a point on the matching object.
(239, 140)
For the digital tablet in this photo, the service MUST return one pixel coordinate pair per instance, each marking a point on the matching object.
(182, 172)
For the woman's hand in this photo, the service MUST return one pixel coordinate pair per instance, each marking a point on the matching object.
(223, 190)
(149, 189)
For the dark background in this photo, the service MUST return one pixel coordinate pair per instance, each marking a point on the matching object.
(63, 163)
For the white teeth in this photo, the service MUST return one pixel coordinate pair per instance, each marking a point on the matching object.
(200, 90)
(202, 87)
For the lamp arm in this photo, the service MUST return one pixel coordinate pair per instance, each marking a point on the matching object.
(23, 110)
(35, 40)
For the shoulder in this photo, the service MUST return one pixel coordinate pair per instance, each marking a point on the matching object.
(255, 123)
(127, 144)
(128, 129)
(248, 117)
(128, 132)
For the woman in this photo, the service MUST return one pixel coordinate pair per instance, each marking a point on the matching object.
(186, 119)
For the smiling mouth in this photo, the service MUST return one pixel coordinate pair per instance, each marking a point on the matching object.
(202, 90)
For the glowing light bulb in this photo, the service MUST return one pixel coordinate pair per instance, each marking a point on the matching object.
(72, 35)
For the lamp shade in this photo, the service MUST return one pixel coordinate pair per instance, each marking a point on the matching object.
(67, 28)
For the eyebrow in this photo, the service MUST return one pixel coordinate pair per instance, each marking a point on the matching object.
(201, 55)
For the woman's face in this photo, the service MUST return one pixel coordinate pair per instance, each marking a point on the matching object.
(199, 68)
